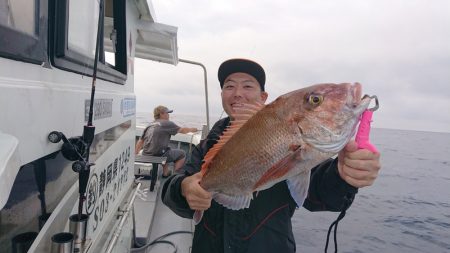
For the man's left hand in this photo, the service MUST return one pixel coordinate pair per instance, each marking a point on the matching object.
(358, 167)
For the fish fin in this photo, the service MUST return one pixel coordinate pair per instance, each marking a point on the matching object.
(279, 169)
(246, 111)
(298, 186)
(241, 116)
(233, 202)
(198, 215)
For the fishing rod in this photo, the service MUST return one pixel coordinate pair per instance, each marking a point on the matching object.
(77, 148)
(89, 128)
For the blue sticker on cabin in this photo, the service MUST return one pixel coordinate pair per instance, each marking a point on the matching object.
(128, 107)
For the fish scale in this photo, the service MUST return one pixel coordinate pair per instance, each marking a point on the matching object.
(269, 146)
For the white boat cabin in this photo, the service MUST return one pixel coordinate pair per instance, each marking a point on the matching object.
(47, 53)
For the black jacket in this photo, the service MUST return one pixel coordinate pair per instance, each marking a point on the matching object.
(266, 225)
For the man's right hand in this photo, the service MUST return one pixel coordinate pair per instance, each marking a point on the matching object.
(196, 196)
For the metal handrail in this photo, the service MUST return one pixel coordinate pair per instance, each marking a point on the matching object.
(122, 221)
(206, 86)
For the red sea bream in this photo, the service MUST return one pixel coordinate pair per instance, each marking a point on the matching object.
(283, 140)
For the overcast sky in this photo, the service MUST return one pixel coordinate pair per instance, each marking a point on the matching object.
(398, 50)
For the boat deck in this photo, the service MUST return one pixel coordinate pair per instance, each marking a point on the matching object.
(154, 219)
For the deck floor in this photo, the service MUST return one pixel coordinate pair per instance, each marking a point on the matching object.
(154, 219)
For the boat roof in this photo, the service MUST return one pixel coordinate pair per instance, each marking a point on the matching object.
(155, 41)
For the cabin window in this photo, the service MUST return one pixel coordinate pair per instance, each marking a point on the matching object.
(20, 15)
(23, 32)
(76, 33)
(82, 28)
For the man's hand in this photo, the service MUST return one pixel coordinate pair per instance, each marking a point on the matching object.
(358, 167)
(185, 130)
(196, 196)
(139, 146)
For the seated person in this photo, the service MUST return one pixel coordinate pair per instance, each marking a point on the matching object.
(155, 139)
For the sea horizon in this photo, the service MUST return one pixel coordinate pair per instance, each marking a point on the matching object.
(147, 117)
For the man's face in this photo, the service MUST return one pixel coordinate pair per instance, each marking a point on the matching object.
(164, 115)
(240, 88)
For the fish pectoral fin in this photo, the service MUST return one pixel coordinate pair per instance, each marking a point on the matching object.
(279, 169)
(298, 186)
(233, 202)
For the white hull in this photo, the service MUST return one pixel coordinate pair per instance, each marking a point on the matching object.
(45, 86)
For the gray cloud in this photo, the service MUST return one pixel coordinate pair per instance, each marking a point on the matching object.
(398, 49)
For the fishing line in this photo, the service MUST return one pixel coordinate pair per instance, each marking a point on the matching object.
(348, 199)
(362, 139)
(159, 240)
(221, 114)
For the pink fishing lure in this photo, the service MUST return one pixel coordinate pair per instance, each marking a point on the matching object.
(362, 136)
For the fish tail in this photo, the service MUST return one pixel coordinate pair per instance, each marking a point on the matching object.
(198, 215)
(233, 202)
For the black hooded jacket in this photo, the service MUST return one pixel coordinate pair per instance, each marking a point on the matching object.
(266, 225)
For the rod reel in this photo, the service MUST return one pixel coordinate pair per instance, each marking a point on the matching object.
(73, 149)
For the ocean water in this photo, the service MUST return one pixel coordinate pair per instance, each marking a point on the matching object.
(183, 120)
(406, 210)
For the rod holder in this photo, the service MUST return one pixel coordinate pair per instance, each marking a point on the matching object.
(77, 226)
(62, 243)
(22, 242)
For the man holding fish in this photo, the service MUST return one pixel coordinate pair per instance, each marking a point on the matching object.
(255, 167)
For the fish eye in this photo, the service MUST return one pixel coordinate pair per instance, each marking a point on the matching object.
(315, 99)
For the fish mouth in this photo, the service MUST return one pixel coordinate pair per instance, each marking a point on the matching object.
(356, 102)
(357, 91)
